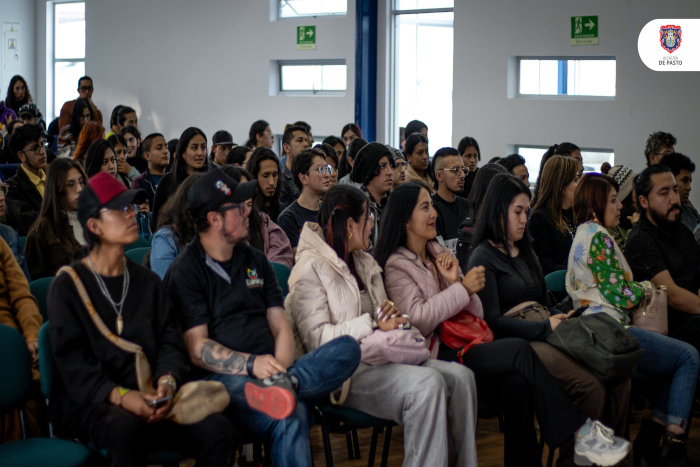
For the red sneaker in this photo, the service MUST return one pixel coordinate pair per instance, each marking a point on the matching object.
(274, 396)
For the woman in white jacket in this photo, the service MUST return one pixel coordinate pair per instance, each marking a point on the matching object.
(336, 289)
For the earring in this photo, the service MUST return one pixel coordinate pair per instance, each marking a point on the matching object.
(350, 236)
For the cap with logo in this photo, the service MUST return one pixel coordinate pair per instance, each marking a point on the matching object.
(214, 189)
(104, 191)
(29, 109)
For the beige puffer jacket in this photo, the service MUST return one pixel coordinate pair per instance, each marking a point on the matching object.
(324, 298)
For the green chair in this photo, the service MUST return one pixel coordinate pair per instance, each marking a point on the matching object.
(140, 243)
(22, 241)
(137, 255)
(160, 456)
(556, 281)
(282, 272)
(15, 390)
(338, 419)
(40, 289)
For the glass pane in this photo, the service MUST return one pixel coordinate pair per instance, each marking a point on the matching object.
(66, 75)
(529, 76)
(592, 160)
(423, 4)
(423, 80)
(69, 30)
(549, 74)
(294, 8)
(334, 77)
(583, 77)
(313, 78)
(533, 157)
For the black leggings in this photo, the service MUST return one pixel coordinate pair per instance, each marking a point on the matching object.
(509, 375)
(127, 439)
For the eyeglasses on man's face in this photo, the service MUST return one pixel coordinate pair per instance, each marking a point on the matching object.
(322, 169)
(242, 208)
(37, 148)
(457, 170)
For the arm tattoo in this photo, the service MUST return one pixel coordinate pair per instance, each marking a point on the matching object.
(217, 358)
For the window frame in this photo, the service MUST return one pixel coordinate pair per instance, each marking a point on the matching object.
(516, 91)
(279, 64)
(54, 106)
(278, 10)
(515, 149)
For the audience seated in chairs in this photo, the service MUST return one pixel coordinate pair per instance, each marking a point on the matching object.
(231, 311)
(424, 281)
(600, 277)
(336, 289)
(57, 235)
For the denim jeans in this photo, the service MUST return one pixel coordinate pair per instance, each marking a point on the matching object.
(677, 360)
(319, 372)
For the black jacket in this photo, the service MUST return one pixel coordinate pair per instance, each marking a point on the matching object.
(550, 244)
(23, 202)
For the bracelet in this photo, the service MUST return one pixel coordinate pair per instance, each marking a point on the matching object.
(122, 393)
(249, 364)
(170, 381)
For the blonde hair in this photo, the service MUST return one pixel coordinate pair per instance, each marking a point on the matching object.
(558, 172)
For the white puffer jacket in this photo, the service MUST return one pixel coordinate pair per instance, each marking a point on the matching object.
(324, 298)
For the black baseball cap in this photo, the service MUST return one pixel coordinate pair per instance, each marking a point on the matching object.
(222, 137)
(215, 188)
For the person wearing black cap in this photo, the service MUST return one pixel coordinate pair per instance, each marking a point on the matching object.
(94, 394)
(374, 169)
(399, 165)
(221, 144)
(312, 176)
(231, 310)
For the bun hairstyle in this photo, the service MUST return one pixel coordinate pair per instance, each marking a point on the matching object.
(341, 203)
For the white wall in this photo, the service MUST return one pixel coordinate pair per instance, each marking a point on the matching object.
(488, 32)
(206, 63)
(23, 11)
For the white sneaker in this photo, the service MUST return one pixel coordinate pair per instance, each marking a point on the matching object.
(597, 444)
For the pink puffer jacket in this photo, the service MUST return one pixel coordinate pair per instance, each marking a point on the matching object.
(413, 289)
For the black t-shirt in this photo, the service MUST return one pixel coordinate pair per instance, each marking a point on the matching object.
(292, 220)
(231, 298)
(650, 250)
(450, 215)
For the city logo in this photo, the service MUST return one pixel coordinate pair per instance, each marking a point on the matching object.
(670, 37)
(253, 280)
(223, 188)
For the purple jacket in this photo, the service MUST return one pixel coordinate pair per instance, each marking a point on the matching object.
(5, 113)
(277, 246)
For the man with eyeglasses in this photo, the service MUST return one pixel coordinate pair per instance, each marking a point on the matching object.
(85, 90)
(26, 188)
(450, 173)
(312, 176)
(374, 169)
(232, 313)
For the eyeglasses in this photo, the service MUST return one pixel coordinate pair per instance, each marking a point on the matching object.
(37, 148)
(665, 153)
(125, 210)
(242, 208)
(86, 88)
(457, 170)
(323, 169)
(5, 188)
(72, 185)
(403, 164)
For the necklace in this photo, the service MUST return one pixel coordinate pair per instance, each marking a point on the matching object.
(103, 288)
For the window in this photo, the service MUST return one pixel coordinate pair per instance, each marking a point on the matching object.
(327, 77)
(299, 8)
(575, 76)
(68, 51)
(421, 68)
(592, 158)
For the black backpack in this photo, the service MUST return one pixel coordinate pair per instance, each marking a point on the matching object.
(464, 242)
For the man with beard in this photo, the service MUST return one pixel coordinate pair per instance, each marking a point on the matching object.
(682, 168)
(450, 174)
(661, 249)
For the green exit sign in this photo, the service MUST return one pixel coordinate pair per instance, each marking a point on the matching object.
(306, 37)
(584, 30)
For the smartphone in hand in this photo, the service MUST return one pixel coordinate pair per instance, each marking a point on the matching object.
(157, 403)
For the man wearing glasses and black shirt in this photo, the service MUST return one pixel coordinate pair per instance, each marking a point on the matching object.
(452, 209)
(312, 177)
(26, 188)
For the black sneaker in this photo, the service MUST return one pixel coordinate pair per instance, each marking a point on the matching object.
(274, 396)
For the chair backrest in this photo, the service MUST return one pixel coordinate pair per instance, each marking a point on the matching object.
(556, 281)
(282, 272)
(15, 369)
(140, 243)
(137, 254)
(45, 359)
(22, 241)
(40, 289)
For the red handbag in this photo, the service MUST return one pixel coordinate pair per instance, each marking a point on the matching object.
(464, 330)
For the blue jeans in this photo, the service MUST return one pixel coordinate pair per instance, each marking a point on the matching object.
(679, 362)
(319, 372)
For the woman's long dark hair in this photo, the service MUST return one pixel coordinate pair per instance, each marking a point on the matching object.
(236, 156)
(340, 203)
(10, 101)
(176, 215)
(395, 216)
(75, 126)
(353, 148)
(481, 183)
(95, 156)
(257, 128)
(53, 206)
(260, 201)
(563, 149)
(180, 166)
(501, 192)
